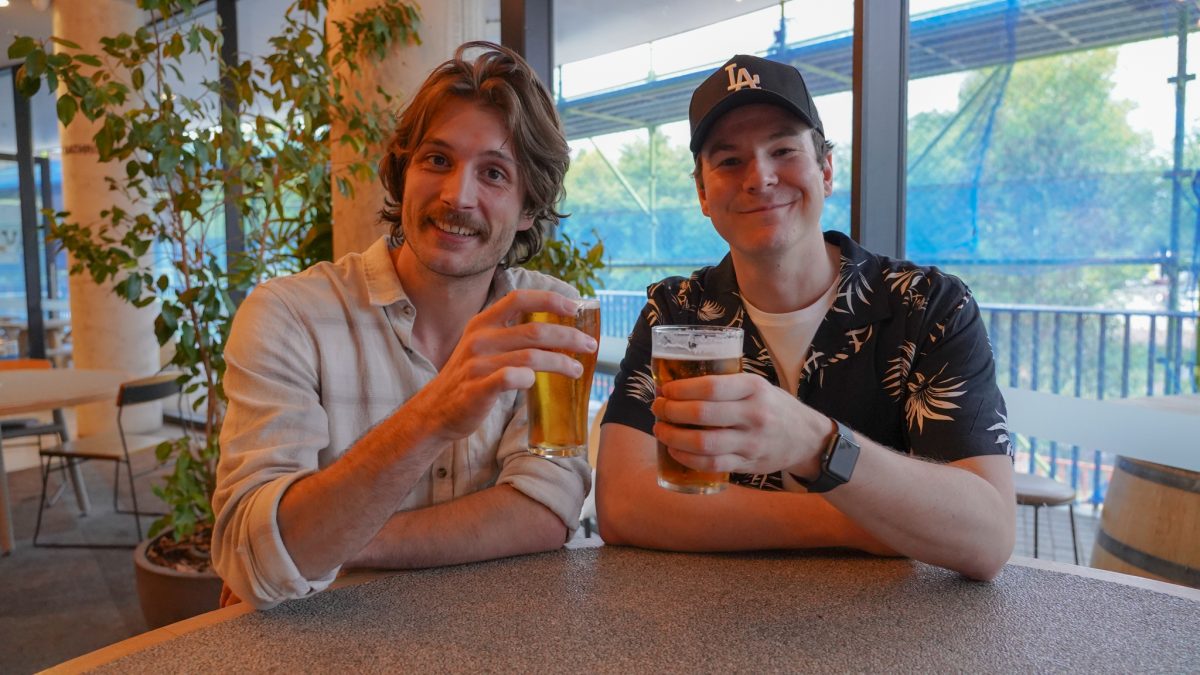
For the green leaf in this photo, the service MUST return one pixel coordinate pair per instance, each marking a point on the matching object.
(137, 78)
(60, 41)
(21, 47)
(67, 107)
(35, 63)
(88, 59)
(131, 289)
(26, 85)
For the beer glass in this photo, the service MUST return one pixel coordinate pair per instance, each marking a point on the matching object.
(558, 405)
(681, 352)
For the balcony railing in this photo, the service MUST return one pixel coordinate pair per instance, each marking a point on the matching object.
(1088, 353)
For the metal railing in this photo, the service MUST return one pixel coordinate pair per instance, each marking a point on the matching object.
(1088, 353)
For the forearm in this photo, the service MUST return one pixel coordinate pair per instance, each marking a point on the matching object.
(494, 523)
(633, 510)
(943, 514)
(327, 517)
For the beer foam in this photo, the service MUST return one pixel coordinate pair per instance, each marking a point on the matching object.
(700, 350)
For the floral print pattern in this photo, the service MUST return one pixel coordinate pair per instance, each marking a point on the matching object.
(897, 358)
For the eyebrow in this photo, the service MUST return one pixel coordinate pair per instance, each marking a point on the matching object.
(782, 132)
(499, 154)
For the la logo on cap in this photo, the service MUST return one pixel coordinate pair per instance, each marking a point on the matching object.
(741, 79)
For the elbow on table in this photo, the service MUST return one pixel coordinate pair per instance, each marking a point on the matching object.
(986, 565)
(614, 516)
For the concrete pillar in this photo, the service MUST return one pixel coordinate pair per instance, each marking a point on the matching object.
(445, 24)
(108, 332)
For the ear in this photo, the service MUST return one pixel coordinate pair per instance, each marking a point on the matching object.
(525, 222)
(827, 171)
(703, 197)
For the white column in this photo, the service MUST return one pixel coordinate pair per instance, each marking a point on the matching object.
(108, 332)
(445, 24)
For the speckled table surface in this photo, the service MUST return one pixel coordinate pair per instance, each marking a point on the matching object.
(614, 609)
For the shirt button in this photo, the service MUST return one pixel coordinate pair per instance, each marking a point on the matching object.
(441, 472)
(408, 310)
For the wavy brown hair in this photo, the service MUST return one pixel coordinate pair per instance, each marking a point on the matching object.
(501, 80)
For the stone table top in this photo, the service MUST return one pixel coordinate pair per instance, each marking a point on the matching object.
(622, 610)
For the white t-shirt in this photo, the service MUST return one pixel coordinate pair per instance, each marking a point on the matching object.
(788, 335)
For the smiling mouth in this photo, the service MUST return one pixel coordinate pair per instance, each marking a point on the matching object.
(767, 207)
(456, 223)
(455, 229)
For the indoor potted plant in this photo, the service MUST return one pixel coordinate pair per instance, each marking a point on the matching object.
(268, 118)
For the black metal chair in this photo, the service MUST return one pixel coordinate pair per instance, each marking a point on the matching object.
(113, 447)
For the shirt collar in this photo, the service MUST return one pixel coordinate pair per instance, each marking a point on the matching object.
(383, 284)
(861, 296)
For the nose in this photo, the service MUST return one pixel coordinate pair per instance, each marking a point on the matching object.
(760, 175)
(459, 189)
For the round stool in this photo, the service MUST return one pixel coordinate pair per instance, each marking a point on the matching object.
(1039, 491)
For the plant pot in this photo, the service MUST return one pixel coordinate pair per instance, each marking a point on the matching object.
(168, 595)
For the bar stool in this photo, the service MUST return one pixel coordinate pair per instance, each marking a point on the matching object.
(1039, 491)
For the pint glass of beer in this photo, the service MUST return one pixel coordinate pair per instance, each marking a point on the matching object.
(680, 352)
(558, 405)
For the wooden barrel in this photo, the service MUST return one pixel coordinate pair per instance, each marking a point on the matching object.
(1151, 523)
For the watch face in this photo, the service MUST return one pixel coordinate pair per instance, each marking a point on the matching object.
(843, 458)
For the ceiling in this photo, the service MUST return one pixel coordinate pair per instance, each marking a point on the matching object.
(581, 30)
(960, 38)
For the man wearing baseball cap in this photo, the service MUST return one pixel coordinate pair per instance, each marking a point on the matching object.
(867, 414)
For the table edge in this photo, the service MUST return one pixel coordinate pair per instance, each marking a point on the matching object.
(1166, 587)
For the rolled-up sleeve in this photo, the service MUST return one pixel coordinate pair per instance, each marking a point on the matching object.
(559, 484)
(273, 432)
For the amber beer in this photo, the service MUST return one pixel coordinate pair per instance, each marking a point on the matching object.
(558, 405)
(681, 352)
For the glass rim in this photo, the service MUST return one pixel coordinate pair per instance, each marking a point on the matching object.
(688, 328)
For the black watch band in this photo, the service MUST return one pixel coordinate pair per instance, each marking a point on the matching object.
(837, 462)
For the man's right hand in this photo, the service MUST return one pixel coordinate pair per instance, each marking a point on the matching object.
(499, 353)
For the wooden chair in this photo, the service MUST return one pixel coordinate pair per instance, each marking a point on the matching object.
(30, 426)
(113, 447)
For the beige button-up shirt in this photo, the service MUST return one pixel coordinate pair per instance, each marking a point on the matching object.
(316, 359)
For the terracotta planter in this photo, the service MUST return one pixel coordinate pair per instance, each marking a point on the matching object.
(168, 595)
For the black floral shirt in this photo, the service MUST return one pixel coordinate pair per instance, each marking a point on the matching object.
(901, 357)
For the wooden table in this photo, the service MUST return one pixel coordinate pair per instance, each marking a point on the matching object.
(23, 391)
(623, 610)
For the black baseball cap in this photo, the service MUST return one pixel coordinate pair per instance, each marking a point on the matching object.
(749, 79)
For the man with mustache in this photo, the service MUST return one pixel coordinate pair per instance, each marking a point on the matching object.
(376, 416)
(867, 414)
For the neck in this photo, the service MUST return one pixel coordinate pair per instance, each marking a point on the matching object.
(444, 304)
(786, 282)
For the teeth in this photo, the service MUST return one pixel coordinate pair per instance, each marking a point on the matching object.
(453, 229)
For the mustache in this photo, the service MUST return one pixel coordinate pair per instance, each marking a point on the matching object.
(456, 218)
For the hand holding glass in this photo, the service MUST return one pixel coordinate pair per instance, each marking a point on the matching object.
(558, 405)
(682, 352)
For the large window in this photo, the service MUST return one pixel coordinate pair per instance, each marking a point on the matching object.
(1043, 169)
(1046, 168)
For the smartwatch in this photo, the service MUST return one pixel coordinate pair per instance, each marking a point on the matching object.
(837, 462)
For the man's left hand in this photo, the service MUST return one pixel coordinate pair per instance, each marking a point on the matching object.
(745, 425)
